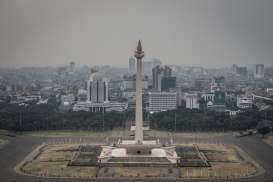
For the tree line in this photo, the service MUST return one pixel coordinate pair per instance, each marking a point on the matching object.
(47, 117)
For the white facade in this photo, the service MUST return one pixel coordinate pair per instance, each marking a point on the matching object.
(82, 106)
(208, 97)
(244, 102)
(117, 106)
(161, 101)
(192, 101)
(93, 107)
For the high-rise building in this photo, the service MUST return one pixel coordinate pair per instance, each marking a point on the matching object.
(240, 71)
(168, 83)
(161, 101)
(132, 65)
(259, 71)
(158, 73)
(97, 92)
(97, 87)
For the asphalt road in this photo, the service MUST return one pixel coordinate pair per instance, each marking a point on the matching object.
(21, 146)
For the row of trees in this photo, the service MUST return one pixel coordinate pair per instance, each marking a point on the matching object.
(47, 117)
(196, 120)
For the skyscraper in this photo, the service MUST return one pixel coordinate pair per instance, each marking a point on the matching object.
(259, 71)
(168, 83)
(97, 92)
(158, 73)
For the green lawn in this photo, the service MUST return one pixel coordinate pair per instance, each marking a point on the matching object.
(3, 142)
(4, 137)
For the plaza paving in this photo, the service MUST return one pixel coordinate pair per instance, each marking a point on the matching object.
(19, 147)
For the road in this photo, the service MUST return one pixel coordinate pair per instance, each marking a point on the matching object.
(15, 151)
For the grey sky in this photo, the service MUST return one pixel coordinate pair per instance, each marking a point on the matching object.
(190, 32)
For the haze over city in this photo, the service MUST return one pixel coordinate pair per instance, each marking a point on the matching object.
(209, 33)
(136, 90)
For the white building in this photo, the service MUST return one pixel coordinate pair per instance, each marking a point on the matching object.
(233, 112)
(82, 106)
(117, 106)
(161, 101)
(93, 107)
(208, 97)
(192, 101)
(244, 102)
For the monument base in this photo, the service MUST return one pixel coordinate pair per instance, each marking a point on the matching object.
(128, 153)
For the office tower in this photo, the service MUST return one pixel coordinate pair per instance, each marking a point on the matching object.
(168, 83)
(161, 101)
(259, 71)
(97, 88)
(158, 73)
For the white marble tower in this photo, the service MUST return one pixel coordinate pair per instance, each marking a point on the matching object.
(139, 54)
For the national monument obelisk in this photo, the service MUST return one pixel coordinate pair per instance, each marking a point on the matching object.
(139, 54)
(138, 152)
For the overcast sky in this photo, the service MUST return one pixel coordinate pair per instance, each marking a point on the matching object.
(184, 32)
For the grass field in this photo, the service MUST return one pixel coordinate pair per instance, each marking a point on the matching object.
(225, 163)
(2, 141)
(143, 172)
(4, 137)
(53, 161)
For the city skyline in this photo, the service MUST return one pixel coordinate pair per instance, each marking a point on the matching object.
(212, 33)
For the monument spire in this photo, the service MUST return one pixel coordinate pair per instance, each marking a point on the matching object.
(139, 54)
(139, 47)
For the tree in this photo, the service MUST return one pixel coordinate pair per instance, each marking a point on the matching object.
(264, 127)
